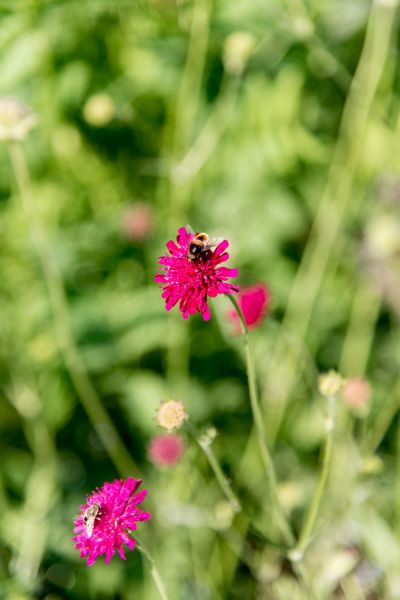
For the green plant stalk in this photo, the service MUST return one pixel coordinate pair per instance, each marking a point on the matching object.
(154, 572)
(383, 421)
(87, 394)
(218, 472)
(308, 527)
(360, 331)
(338, 199)
(259, 427)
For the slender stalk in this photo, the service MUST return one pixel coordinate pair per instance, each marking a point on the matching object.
(154, 572)
(87, 394)
(218, 472)
(259, 426)
(338, 199)
(307, 530)
(383, 421)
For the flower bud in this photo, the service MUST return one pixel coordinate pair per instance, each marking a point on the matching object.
(16, 120)
(171, 415)
(330, 383)
(237, 49)
(207, 438)
(356, 394)
(166, 450)
(138, 222)
(99, 110)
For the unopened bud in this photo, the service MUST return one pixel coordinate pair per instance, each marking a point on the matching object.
(330, 383)
(99, 110)
(208, 437)
(356, 394)
(237, 49)
(16, 120)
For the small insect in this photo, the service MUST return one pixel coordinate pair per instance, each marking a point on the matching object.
(89, 517)
(200, 247)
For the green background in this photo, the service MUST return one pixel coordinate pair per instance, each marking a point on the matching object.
(274, 125)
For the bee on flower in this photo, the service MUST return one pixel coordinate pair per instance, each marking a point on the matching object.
(191, 273)
(107, 518)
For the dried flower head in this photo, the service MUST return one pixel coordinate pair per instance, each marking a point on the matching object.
(166, 450)
(106, 519)
(192, 282)
(16, 120)
(356, 393)
(171, 415)
(330, 383)
(138, 222)
(254, 302)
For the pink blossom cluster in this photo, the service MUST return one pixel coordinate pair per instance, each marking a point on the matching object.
(107, 518)
(110, 514)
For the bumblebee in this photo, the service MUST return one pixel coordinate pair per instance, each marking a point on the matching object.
(200, 247)
(89, 517)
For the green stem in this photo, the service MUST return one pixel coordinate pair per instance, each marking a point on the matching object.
(259, 426)
(87, 394)
(219, 474)
(338, 199)
(307, 530)
(154, 572)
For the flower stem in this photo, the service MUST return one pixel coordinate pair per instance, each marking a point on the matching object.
(307, 530)
(218, 472)
(259, 426)
(87, 394)
(154, 572)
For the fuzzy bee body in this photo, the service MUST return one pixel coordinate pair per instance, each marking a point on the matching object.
(89, 517)
(200, 247)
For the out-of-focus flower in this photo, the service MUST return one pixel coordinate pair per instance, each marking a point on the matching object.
(106, 519)
(138, 222)
(208, 437)
(238, 47)
(254, 302)
(171, 415)
(16, 120)
(356, 393)
(330, 383)
(383, 236)
(99, 110)
(166, 450)
(191, 282)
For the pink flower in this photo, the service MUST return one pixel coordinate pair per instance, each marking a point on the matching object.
(254, 302)
(138, 222)
(356, 393)
(191, 282)
(109, 513)
(166, 450)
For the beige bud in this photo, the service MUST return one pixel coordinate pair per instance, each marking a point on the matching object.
(171, 415)
(237, 49)
(16, 120)
(99, 110)
(330, 383)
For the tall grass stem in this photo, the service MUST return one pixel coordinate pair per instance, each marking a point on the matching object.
(222, 480)
(87, 394)
(154, 572)
(259, 427)
(308, 527)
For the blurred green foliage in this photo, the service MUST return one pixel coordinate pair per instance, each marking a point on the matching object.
(276, 126)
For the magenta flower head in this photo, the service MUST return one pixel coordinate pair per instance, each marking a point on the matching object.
(254, 302)
(166, 450)
(106, 519)
(192, 273)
